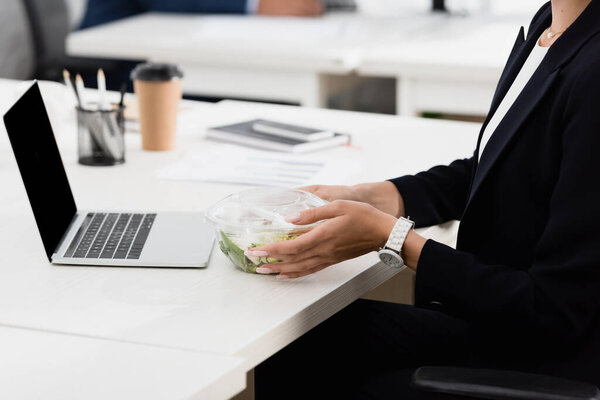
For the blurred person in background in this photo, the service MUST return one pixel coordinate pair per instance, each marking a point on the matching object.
(103, 11)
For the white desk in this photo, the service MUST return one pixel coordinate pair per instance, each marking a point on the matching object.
(444, 64)
(229, 56)
(268, 58)
(42, 365)
(453, 70)
(218, 309)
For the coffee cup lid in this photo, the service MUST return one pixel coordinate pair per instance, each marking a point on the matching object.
(154, 72)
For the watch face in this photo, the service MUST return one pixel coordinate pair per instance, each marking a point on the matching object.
(389, 257)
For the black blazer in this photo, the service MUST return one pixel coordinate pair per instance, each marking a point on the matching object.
(526, 272)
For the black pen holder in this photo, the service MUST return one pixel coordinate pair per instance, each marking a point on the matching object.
(101, 135)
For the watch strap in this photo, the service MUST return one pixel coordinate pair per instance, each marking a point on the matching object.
(399, 233)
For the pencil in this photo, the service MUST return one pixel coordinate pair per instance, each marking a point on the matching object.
(80, 89)
(69, 84)
(102, 90)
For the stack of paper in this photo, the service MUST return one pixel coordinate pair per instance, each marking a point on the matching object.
(236, 165)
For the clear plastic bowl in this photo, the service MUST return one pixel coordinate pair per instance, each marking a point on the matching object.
(256, 217)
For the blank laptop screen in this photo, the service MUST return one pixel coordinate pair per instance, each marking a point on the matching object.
(41, 167)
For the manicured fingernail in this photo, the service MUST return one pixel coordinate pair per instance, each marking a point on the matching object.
(282, 277)
(264, 270)
(256, 253)
(293, 218)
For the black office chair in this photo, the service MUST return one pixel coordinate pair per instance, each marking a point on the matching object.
(49, 27)
(454, 382)
(439, 6)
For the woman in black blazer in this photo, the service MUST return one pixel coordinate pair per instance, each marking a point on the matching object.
(522, 289)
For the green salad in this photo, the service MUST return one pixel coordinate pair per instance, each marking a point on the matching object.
(257, 217)
(234, 246)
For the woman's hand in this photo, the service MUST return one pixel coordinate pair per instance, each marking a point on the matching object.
(332, 193)
(300, 8)
(382, 195)
(350, 229)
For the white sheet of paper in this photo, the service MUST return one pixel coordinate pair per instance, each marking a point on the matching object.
(237, 165)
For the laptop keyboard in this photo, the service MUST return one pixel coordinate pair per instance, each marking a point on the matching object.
(111, 236)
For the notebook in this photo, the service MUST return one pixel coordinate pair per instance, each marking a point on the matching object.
(243, 133)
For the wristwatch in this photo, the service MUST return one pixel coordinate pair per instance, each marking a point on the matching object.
(390, 254)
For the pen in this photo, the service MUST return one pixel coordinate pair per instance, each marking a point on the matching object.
(69, 84)
(102, 90)
(123, 90)
(80, 90)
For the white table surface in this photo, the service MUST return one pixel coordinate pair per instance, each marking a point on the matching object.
(441, 63)
(455, 69)
(478, 44)
(43, 365)
(275, 58)
(331, 43)
(218, 309)
(234, 56)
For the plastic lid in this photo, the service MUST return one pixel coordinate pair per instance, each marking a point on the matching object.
(151, 72)
(262, 209)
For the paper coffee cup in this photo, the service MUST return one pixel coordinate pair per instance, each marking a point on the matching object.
(158, 89)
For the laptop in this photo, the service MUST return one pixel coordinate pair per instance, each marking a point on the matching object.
(99, 238)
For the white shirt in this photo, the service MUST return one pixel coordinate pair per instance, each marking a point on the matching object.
(529, 67)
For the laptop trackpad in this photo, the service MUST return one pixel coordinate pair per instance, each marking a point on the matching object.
(178, 239)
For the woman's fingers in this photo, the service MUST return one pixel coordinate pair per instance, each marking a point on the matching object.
(327, 193)
(281, 250)
(313, 7)
(310, 216)
(297, 248)
(290, 7)
(291, 267)
(314, 240)
(311, 188)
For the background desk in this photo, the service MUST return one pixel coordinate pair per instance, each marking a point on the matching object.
(455, 70)
(264, 58)
(441, 63)
(42, 365)
(219, 309)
